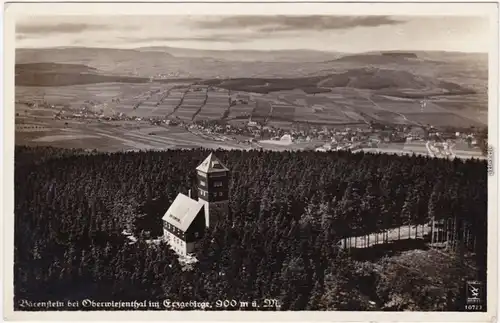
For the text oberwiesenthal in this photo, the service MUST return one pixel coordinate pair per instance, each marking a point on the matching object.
(166, 304)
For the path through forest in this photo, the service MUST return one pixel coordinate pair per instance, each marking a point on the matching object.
(403, 232)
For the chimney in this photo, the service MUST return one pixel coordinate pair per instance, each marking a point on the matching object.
(189, 193)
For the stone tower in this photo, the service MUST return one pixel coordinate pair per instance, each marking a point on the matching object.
(213, 189)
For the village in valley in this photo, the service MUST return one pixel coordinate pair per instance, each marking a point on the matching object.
(248, 129)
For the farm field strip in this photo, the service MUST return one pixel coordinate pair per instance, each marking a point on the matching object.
(218, 96)
(202, 104)
(176, 94)
(280, 124)
(121, 137)
(208, 116)
(262, 109)
(184, 115)
(179, 104)
(440, 119)
(283, 112)
(222, 109)
(149, 98)
(193, 102)
(241, 110)
(135, 137)
(218, 100)
(221, 105)
(194, 98)
(193, 141)
(173, 102)
(185, 106)
(148, 104)
(163, 110)
(405, 119)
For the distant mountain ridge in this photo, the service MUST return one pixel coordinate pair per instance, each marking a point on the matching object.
(388, 81)
(55, 74)
(246, 55)
(304, 55)
(460, 72)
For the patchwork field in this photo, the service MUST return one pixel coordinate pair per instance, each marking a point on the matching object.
(113, 136)
(442, 119)
(338, 106)
(215, 107)
(262, 110)
(241, 111)
(282, 111)
(286, 125)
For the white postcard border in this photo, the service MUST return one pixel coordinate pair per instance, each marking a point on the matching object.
(11, 11)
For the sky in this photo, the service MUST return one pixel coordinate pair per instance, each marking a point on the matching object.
(325, 33)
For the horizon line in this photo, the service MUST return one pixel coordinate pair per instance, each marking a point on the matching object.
(258, 50)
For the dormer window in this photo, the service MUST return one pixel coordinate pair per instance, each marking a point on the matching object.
(216, 164)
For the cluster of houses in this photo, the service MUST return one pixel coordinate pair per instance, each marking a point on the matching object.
(335, 138)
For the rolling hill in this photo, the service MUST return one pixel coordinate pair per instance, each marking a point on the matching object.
(301, 55)
(386, 81)
(179, 62)
(55, 74)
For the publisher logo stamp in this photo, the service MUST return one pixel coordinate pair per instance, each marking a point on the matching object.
(474, 295)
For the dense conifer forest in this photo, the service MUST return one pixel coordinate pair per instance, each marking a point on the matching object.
(288, 211)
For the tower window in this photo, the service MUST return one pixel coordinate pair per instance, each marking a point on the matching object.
(216, 164)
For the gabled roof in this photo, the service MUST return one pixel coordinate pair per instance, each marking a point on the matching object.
(182, 212)
(212, 165)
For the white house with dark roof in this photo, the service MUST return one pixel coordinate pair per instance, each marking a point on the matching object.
(184, 223)
(186, 219)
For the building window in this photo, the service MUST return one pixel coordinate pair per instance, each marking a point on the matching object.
(203, 183)
(217, 184)
(220, 194)
(196, 234)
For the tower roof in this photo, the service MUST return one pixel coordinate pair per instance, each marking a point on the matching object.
(212, 165)
(182, 212)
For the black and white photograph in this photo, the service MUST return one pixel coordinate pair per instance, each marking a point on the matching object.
(267, 161)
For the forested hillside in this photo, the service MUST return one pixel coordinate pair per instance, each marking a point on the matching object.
(287, 212)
